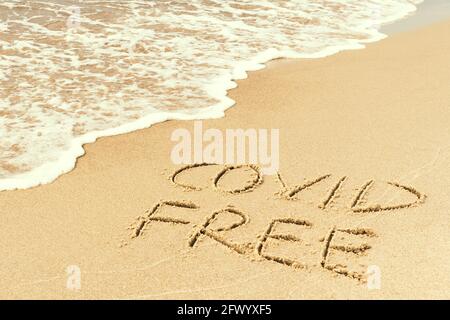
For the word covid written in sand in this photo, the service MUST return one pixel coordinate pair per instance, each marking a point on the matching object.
(301, 243)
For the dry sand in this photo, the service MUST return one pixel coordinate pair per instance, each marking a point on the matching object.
(378, 114)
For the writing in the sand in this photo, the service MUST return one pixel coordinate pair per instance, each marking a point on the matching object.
(341, 249)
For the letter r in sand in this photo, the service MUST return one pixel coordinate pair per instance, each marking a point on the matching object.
(212, 229)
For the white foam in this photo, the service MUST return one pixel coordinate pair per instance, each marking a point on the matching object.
(62, 88)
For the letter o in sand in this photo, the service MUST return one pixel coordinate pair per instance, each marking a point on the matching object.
(249, 186)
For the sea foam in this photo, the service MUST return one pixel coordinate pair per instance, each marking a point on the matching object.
(73, 71)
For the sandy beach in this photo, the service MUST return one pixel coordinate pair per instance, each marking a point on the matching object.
(362, 187)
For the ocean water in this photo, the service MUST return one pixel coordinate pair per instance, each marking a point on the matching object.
(72, 71)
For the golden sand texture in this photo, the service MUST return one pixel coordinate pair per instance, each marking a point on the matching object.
(363, 182)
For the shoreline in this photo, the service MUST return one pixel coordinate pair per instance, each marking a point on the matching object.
(427, 13)
(219, 90)
(379, 113)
